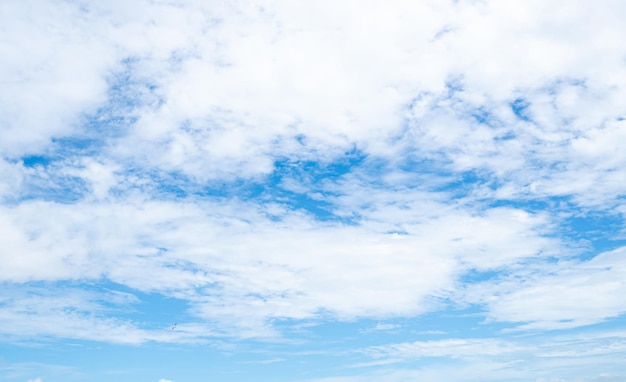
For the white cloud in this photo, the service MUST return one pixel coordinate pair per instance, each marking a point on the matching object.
(223, 91)
(453, 348)
(165, 380)
(240, 268)
(324, 80)
(55, 311)
(538, 358)
(53, 72)
(383, 326)
(574, 294)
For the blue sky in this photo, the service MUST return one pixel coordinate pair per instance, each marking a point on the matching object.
(312, 191)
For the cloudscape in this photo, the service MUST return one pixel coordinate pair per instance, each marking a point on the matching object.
(312, 191)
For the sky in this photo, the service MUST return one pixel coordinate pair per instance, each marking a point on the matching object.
(312, 191)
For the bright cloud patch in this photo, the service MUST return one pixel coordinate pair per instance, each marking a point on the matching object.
(312, 191)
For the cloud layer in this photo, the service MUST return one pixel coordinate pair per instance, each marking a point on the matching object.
(266, 166)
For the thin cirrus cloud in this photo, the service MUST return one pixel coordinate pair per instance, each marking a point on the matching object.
(400, 191)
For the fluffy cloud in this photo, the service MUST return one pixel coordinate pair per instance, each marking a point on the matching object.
(164, 147)
(237, 266)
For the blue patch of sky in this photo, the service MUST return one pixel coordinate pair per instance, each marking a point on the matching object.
(552, 204)
(176, 185)
(35, 160)
(472, 276)
(507, 136)
(324, 331)
(617, 323)
(553, 87)
(372, 170)
(316, 171)
(455, 322)
(447, 322)
(467, 321)
(520, 107)
(311, 175)
(153, 361)
(73, 147)
(303, 354)
(425, 172)
(602, 230)
(460, 185)
(345, 339)
(84, 360)
(418, 164)
(454, 84)
(281, 186)
(127, 91)
(45, 182)
(482, 115)
(51, 187)
(149, 310)
(166, 184)
(157, 311)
